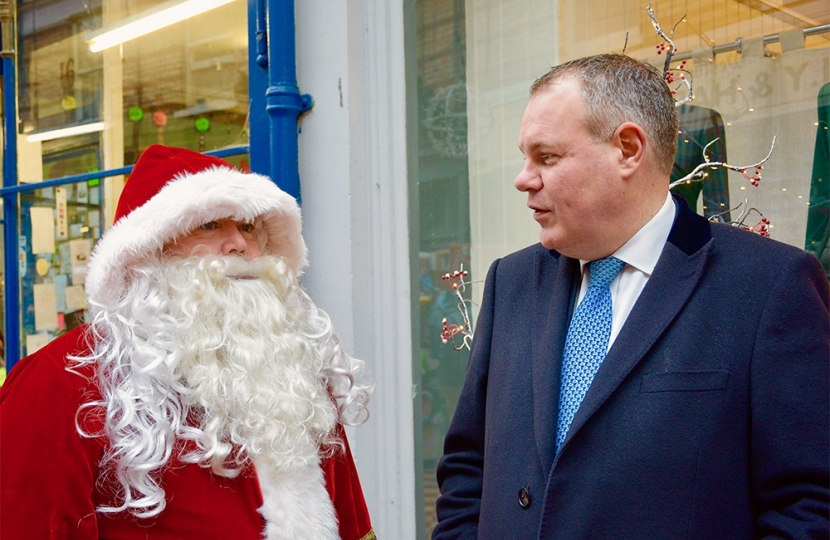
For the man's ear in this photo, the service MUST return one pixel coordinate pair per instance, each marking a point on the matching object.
(630, 140)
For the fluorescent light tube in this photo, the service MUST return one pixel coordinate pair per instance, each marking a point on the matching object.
(148, 21)
(65, 132)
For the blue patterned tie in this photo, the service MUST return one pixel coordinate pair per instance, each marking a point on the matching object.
(587, 342)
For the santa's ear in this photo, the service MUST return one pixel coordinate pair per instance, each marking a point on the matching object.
(630, 141)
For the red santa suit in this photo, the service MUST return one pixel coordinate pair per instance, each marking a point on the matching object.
(52, 484)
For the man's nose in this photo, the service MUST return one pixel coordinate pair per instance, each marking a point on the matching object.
(527, 180)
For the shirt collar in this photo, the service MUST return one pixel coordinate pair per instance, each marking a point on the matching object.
(644, 248)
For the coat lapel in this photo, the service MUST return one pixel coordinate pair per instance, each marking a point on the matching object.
(675, 277)
(555, 292)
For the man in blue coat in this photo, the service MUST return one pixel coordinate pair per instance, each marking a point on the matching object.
(685, 396)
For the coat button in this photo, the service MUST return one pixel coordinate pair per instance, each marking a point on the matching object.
(524, 498)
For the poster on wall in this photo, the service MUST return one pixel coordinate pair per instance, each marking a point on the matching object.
(46, 307)
(36, 341)
(43, 229)
(62, 231)
(75, 298)
(79, 251)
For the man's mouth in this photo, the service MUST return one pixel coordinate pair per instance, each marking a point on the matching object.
(537, 211)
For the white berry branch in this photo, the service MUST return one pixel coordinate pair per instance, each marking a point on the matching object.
(670, 49)
(761, 227)
(465, 330)
(698, 172)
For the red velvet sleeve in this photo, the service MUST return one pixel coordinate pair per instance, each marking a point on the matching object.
(47, 471)
(344, 489)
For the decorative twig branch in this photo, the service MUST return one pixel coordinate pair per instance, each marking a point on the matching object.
(761, 227)
(667, 38)
(465, 330)
(698, 171)
(670, 49)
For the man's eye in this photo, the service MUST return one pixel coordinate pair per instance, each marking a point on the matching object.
(247, 227)
(209, 226)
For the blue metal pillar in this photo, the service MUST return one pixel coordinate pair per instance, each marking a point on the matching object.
(283, 100)
(258, 122)
(10, 207)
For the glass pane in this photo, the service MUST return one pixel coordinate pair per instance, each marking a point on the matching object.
(58, 226)
(444, 223)
(475, 65)
(187, 84)
(181, 85)
(59, 79)
(744, 99)
(184, 85)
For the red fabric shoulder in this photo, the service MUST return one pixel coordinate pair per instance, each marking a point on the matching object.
(346, 494)
(48, 472)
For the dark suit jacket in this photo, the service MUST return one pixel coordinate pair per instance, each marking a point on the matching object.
(708, 418)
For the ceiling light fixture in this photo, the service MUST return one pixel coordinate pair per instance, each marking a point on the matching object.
(149, 21)
(80, 129)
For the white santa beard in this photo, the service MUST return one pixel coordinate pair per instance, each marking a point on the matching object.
(240, 367)
(256, 380)
(251, 376)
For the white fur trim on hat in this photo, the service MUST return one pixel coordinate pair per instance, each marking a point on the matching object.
(184, 203)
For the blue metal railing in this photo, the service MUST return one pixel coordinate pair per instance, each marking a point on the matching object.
(74, 179)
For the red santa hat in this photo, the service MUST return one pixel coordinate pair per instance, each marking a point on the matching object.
(170, 192)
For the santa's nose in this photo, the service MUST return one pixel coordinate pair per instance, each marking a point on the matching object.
(233, 242)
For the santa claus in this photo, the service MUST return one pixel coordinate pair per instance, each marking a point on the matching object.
(206, 396)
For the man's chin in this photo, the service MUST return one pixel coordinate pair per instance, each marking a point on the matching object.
(556, 241)
(550, 239)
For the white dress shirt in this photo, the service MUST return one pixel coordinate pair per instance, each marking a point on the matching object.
(640, 254)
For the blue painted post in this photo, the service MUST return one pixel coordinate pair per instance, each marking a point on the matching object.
(10, 207)
(283, 100)
(258, 120)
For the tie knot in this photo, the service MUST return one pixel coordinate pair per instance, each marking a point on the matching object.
(604, 271)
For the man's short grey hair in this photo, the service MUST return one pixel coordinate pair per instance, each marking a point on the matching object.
(618, 89)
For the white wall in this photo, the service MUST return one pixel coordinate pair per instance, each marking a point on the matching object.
(353, 176)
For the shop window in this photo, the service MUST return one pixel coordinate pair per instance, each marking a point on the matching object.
(760, 71)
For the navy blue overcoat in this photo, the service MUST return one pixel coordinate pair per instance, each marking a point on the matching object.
(708, 419)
